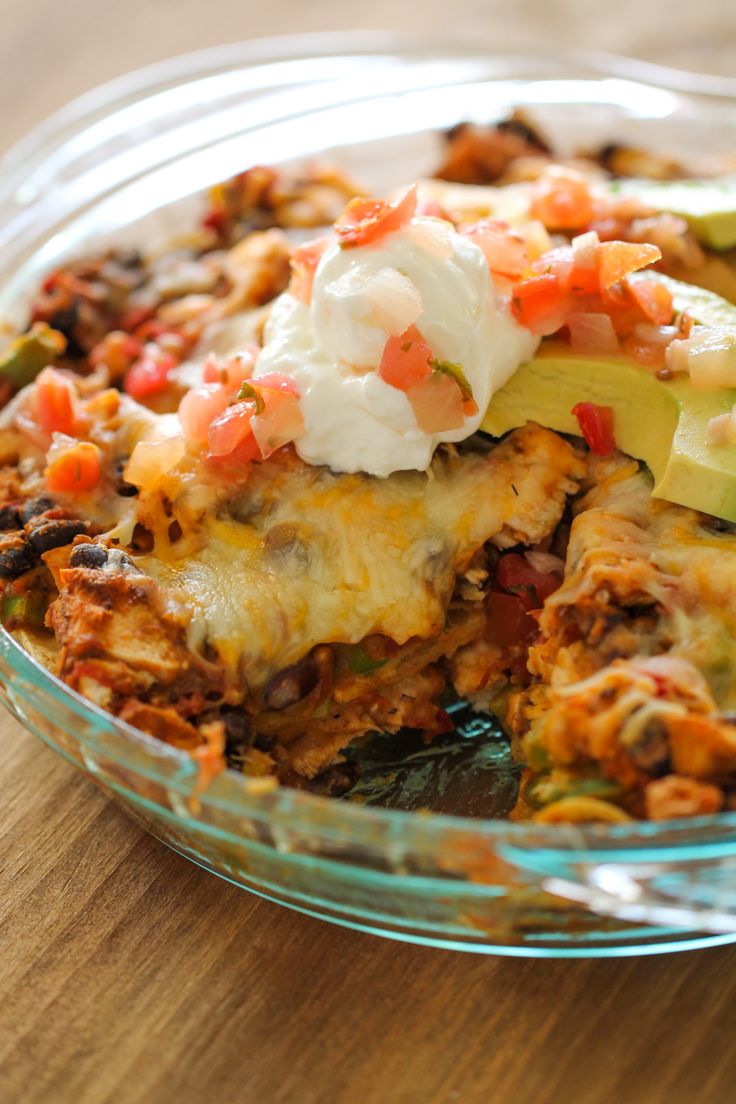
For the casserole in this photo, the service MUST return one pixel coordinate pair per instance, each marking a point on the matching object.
(466, 882)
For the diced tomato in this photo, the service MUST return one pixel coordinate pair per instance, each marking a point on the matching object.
(629, 304)
(590, 287)
(556, 262)
(304, 262)
(505, 251)
(540, 304)
(406, 360)
(150, 329)
(74, 469)
(582, 279)
(117, 351)
(199, 408)
(246, 451)
(470, 407)
(574, 276)
(621, 308)
(366, 221)
(596, 426)
(654, 299)
(618, 259)
(135, 317)
(281, 421)
(231, 430)
(276, 381)
(213, 371)
(149, 375)
(55, 402)
(510, 627)
(514, 572)
(215, 221)
(561, 200)
(437, 402)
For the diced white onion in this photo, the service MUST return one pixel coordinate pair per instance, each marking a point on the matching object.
(432, 235)
(655, 335)
(711, 356)
(585, 250)
(60, 443)
(675, 358)
(545, 562)
(721, 430)
(536, 237)
(592, 333)
(394, 300)
(152, 460)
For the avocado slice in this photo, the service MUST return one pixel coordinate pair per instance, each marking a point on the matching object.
(28, 354)
(708, 206)
(662, 422)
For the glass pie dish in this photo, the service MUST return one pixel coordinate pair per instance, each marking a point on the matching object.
(127, 163)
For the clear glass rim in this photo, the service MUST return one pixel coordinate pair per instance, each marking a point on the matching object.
(254, 51)
(240, 795)
(230, 791)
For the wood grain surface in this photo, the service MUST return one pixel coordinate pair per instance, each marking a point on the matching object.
(129, 975)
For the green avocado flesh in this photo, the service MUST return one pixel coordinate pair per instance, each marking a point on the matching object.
(660, 422)
(708, 206)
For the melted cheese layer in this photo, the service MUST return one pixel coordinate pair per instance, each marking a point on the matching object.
(303, 556)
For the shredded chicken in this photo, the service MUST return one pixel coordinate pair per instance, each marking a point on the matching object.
(635, 672)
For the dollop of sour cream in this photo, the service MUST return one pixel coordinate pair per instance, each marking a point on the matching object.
(426, 273)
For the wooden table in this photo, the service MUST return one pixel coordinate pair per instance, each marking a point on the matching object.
(129, 975)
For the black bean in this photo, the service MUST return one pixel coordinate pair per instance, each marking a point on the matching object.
(47, 533)
(292, 684)
(65, 319)
(607, 153)
(650, 748)
(118, 560)
(16, 555)
(520, 128)
(238, 738)
(88, 555)
(142, 539)
(238, 730)
(336, 780)
(125, 490)
(283, 544)
(718, 525)
(34, 507)
(10, 518)
(128, 258)
(455, 131)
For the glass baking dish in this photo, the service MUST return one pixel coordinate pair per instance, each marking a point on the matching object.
(126, 163)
